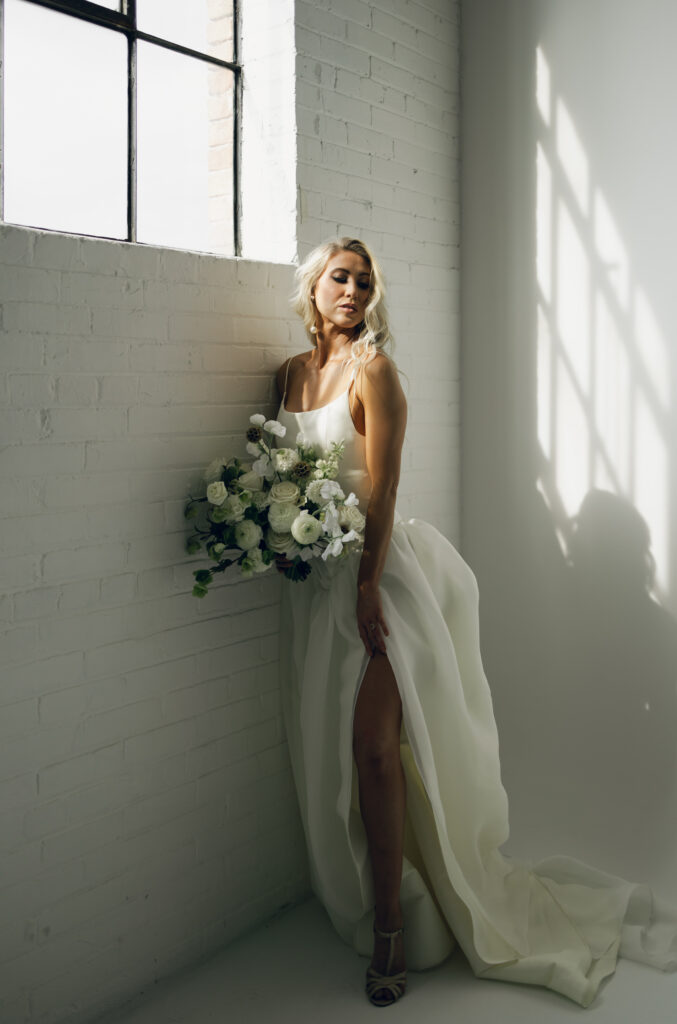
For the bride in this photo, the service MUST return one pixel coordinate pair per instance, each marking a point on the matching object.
(388, 712)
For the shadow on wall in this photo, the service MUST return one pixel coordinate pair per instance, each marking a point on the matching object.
(606, 686)
(585, 608)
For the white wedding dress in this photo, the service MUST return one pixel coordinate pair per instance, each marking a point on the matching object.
(558, 923)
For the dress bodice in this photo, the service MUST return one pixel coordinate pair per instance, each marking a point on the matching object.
(332, 422)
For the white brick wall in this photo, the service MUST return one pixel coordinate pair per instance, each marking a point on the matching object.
(378, 158)
(147, 813)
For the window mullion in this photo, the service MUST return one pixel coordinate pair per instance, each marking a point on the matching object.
(130, 11)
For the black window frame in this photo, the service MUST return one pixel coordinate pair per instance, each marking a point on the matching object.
(125, 21)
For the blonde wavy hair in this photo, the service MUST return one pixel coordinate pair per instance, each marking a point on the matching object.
(373, 334)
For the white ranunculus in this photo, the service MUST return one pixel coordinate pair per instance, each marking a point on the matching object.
(253, 448)
(350, 516)
(217, 492)
(285, 459)
(247, 534)
(279, 542)
(274, 427)
(306, 528)
(257, 419)
(214, 470)
(352, 499)
(250, 481)
(285, 491)
(233, 509)
(281, 515)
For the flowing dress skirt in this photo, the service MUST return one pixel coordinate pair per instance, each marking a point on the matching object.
(558, 923)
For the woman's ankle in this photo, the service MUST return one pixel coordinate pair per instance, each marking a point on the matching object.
(389, 920)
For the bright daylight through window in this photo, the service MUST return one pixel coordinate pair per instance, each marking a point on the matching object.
(120, 120)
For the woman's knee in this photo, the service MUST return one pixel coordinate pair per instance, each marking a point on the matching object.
(376, 750)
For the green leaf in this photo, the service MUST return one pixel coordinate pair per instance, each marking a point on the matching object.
(203, 576)
(192, 545)
(199, 591)
(299, 571)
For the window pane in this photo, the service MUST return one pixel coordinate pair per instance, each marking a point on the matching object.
(112, 5)
(204, 25)
(65, 122)
(185, 151)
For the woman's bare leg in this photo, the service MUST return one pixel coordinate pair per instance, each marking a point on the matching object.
(376, 746)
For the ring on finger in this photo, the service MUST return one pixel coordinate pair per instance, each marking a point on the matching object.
(372, 627)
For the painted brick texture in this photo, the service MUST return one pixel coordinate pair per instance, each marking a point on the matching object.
(378, 157)
(147, 812)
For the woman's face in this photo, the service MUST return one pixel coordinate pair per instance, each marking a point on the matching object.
(342, 289)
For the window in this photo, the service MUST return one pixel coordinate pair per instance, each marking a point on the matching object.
(120, 119)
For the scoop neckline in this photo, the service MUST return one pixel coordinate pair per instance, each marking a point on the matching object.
(300, 412)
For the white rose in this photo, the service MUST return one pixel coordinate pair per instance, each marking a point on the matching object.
(285, 459)
(247, 534)
(274, 427)
(257, 419)
(279, 542)
(350, 516)
(214, 470)
(251, 481)
(352, 499)
(281, 515)
(305, 528)
(217, 492)
(285, 491)
(233, 509)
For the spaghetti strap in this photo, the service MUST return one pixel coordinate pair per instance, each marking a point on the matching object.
(286, 376)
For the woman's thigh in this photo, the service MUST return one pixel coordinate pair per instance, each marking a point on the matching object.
(378, 710)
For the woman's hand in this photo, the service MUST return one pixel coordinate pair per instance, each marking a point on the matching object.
(370, 621)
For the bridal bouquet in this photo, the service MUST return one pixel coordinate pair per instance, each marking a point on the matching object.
(286, 502)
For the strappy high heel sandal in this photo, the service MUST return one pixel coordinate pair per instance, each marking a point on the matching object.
(386, 989)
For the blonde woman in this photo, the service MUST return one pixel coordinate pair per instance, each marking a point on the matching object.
(388, 712)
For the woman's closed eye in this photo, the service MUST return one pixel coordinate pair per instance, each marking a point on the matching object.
(362, 285)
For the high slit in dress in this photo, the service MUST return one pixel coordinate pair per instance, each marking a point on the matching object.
(558, 923)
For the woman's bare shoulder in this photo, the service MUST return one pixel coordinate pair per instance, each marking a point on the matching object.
(380, 374)
(299, 359)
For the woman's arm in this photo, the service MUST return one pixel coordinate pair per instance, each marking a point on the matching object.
(385, 419)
